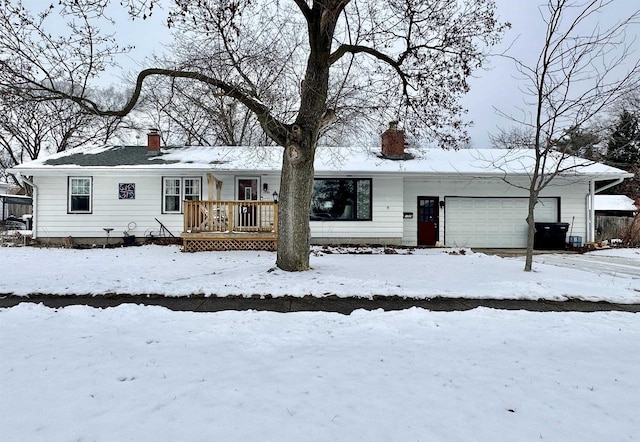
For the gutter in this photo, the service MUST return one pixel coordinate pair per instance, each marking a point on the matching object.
(23, 180)
(610, 185)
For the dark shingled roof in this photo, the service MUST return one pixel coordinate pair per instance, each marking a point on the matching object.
(114, 156)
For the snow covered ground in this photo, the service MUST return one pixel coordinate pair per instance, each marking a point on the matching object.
(610, 275)
(615, 262)
(149, 374)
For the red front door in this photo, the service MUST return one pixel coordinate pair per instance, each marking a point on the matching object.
(427, 220)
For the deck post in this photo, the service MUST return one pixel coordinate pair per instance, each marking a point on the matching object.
(230, 215)
(275, 218)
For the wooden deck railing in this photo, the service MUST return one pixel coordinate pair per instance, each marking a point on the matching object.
(230, 216)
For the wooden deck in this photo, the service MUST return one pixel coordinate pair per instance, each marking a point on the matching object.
(230, 225)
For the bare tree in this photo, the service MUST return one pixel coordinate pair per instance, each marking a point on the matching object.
(296, 65)
(191, 113)
(30, 128)
(580, 70)
(195, 113)
(513, 138)
(31, 123)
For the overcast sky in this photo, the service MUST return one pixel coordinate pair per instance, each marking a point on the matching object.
(494, 87)
(498, 87)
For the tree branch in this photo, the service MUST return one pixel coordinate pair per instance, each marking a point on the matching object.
(304, 8)
(359, 49)
(270, 124)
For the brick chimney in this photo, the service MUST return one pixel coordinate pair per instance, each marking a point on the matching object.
(153, 142)
(393, 142)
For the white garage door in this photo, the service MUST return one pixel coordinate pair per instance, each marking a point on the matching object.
(492, 222)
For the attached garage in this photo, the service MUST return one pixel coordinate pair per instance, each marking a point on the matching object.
(493, 222)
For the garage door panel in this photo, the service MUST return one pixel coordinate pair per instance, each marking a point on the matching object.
(492, 222)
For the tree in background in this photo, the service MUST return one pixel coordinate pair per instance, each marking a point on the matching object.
(188, 113)
(31, 122)
(623, 151)
(581, 142)
(296, 66)
(30, 128)
(623, 148)
(582, 67)
(518, 137)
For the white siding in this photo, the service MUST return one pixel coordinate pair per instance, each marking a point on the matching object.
(108, 211)
(384, 227)
(391, 196)
(572, 199)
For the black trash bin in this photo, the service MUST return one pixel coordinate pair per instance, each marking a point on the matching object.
(550, 236)
(128, 240)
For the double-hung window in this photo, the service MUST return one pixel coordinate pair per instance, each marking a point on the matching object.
(79, 195)
(341, 199)
(191, 188)
(175, 190)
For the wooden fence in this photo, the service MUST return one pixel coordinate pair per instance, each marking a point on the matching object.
(612, 227)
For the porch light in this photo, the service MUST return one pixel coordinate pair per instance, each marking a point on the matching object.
(275, 196)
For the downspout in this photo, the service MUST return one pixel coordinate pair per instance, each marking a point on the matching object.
(34, 197)
(591, 214)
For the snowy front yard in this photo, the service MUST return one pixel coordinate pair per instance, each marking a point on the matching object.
(426, 273)
(149, 374)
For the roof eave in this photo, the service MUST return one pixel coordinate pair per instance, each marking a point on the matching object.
(187, 168)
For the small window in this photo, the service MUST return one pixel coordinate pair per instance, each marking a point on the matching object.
(192, 189)
(79, 195)
(175, 190)
(341, 200)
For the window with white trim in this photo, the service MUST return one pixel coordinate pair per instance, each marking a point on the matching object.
(79, 195)
(175, 190)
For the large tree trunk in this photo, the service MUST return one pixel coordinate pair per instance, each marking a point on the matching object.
(296, 183)
(293, 210)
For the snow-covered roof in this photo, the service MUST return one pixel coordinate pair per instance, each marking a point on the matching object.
(615, 203)
(477, 162)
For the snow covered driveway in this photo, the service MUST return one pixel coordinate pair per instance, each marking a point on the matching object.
(603, 262)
